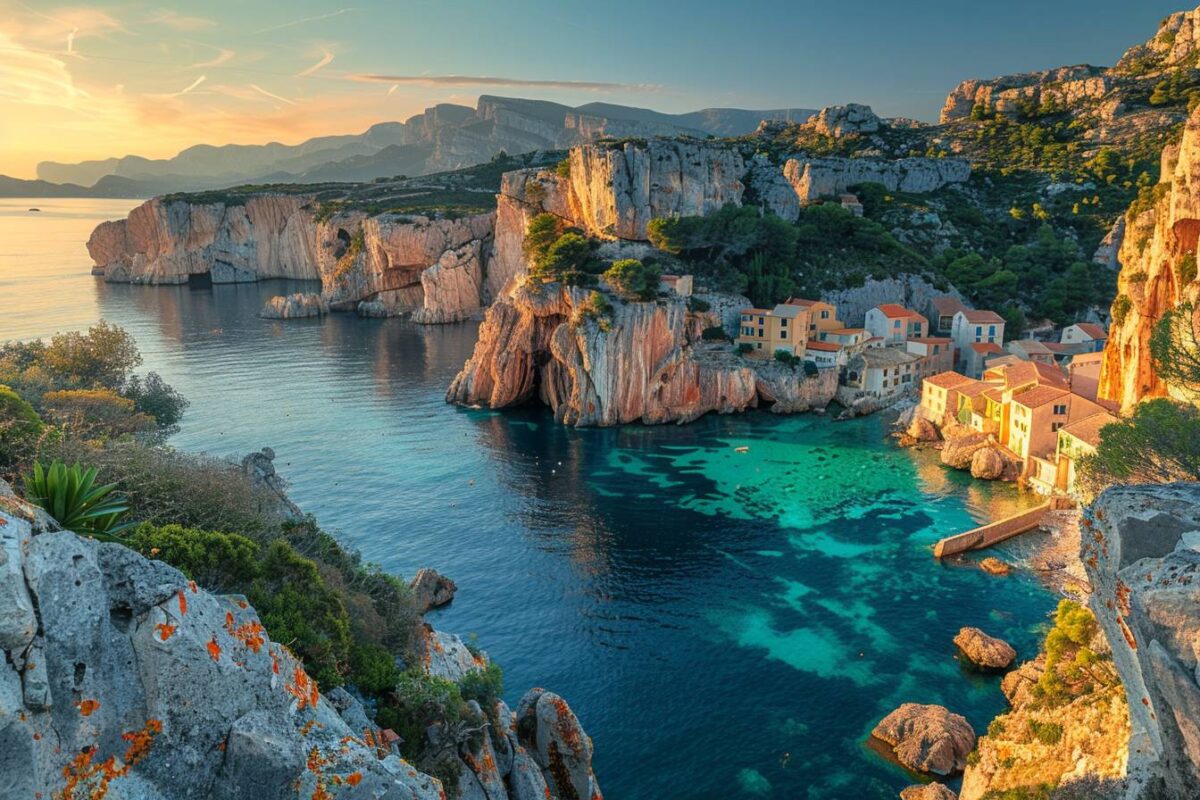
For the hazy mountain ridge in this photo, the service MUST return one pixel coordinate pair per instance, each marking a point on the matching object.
(443, 137)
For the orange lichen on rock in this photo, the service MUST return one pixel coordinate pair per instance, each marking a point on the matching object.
(304, 689)
(182, 603)
(91, 779)
(164, 630)
(214, 649)
(87, 707)
(354, 778)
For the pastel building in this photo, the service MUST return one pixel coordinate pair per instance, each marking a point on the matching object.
(936, 354)
(895, 324)
(1089, 334)
(1030, 350)
(972, 327)
(784, 327)
(939, 397)
(822, 316)
(826, 355)
(941, 311)
(1037, 415)
(881, 372)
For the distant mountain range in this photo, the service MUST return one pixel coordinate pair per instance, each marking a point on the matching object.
(444, 137)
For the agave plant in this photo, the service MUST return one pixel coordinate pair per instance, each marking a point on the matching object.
(71, 496)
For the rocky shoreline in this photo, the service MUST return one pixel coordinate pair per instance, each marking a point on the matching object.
(118, 671)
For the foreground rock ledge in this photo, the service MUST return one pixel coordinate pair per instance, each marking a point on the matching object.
(927, 738)
(100, 644)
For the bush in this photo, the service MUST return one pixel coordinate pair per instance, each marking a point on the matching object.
(563, 169)
(714, 333)
(484, 686)
(95, 413)
(745, 348)
(104, 356)
(154, 396)
(20, 430)
(220, 562)
(787, 357)
(633, 279)
(419, 701)
(811, 370)
(595, 307)
(1187, 269)
(1121, 307)
(696, 305)
(1048, 733)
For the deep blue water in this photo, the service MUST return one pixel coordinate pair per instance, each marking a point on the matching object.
(725, 624)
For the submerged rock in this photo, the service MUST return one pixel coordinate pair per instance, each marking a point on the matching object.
(927, 738)
(994, 566)
(983, 650)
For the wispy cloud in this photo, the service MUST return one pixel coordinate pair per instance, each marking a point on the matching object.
(180, 22)
(486, 80)
(304, 20)
(265, 93)
(220, 58)
(192, 85)
(326, 59)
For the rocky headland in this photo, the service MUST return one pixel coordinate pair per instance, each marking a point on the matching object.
(119, 674)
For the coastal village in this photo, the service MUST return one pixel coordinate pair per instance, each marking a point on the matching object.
(1024, 410)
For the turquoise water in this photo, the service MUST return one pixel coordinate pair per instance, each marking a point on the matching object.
(725, 624)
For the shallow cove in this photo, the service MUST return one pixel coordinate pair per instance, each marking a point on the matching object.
(710, 615)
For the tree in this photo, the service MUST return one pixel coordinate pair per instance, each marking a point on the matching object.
(1175, 347)
(104, 356)
(633, 279)
(570, 253)
(1160, 443)
(543, 231)
(154, 396)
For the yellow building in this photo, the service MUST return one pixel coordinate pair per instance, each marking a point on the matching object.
(1076, 440)
(938, 395)
(784, 327)
(822, 316)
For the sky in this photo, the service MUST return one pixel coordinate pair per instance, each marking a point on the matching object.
(92, 80)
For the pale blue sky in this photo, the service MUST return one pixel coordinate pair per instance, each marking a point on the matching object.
(151, 77)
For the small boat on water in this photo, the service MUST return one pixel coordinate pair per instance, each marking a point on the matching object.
(33, 210)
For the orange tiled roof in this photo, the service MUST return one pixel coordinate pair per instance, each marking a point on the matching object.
(1092, 329)
(1039, 396)
(977, 317)
(983, 348)
(947, 380)
(1087, 430)
(895, 311)
(829, 347)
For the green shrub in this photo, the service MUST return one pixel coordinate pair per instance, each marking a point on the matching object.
(1187, 269)
(1121, 308)
(373, 668)
(563, 169)
(714, 333)
(786, 357)
(698, 306)
(484, 686)
(420, 700)
(221, 562)
(745, 347)
(299, 610)
(154, 396)
(72, 497)
(20, 430)
(811, 370)
(633, 279)
(1048, 733)
(95, 413)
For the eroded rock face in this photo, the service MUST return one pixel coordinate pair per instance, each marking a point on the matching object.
(839, 121)
(962, 443)
(983, 650)
(128, 646)
(1141, 548)
(1156, 251)
(1174, 45)
(616, 191)
(549, 731)
(927, 738)
(642, 362)
(814, 178)
(400, 264)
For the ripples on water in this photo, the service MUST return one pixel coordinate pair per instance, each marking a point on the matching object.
(705, 611)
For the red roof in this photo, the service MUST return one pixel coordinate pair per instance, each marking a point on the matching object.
(930, 340)
(894, 311)
(947, 380)
(947, 305)
(983, 348)
(1039, 396)
(1087, 430)
(800, 301)
(1092, 329)
(829, 347)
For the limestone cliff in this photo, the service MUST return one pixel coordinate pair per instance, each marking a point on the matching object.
(1141, 549)
(1158, 258)
(640, 362)
(435, 267)
(120, 678)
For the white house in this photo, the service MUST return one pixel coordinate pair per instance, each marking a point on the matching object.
(1085, 333)
(976, 328)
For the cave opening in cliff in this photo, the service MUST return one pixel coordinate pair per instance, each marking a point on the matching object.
(200, 280)
(343, 243)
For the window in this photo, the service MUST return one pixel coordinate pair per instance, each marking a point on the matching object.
(761, 321)
(991, 330)
(1060, 410)
(783, 323)
(758, 345)
(896, 324)
(978, 331)
(760, 331)
(824, 315)
(1055, 426)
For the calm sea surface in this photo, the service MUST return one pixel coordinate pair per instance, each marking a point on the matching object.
(725, 624)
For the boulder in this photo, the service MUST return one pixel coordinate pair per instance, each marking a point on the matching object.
(1018, 684)
(295, 306)
(983, 650)
(922, 430)
(927, 738)
(961, 445)
(928, 791)
(549, 730)
(431, 589)
(994, 566)
(991, 464)
(839, 121)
